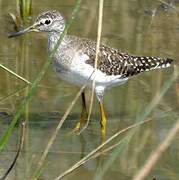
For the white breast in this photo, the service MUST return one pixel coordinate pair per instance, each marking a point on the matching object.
(83, 73)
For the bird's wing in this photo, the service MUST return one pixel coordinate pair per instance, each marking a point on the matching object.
(113, 62)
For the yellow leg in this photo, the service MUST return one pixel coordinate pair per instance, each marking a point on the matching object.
(84, 114)
(103, 120)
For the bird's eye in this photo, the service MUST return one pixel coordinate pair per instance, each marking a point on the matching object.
(47, 22)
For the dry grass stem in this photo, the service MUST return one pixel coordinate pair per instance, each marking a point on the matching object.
(53, 137)
(92, 153)
(14, 74)
(100, 20)
(157, 153)
(18, 151)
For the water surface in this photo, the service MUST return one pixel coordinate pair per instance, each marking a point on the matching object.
(127, 25)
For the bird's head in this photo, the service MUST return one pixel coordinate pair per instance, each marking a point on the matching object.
(48, 21)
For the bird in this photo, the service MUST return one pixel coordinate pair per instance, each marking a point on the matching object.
(74, 61)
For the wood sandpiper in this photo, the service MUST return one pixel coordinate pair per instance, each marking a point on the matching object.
(75, 58)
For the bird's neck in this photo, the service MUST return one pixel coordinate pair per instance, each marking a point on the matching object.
(53, 38)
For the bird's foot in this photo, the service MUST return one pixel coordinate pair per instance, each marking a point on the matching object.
(82, 123)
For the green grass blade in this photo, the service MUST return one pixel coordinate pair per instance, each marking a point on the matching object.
(25, 9)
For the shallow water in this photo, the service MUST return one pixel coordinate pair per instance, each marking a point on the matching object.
(127, 25)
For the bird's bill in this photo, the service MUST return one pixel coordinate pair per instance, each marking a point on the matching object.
(29, 29)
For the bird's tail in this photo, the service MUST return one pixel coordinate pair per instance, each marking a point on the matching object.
(138, 64)
(151, 63)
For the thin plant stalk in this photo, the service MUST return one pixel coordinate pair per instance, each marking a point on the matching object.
(18, 91)
(157, 153)
(93, 153)
(24, 55)
(18, 152)
(100, 21)
(53, 137)
(14, 74)
(25, 7)
(12, 94)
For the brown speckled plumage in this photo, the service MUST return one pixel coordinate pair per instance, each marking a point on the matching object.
(114, 62)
